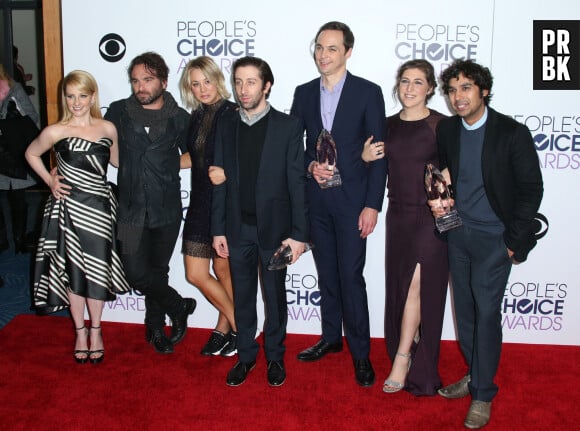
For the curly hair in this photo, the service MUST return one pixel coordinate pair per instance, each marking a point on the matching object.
(480, 75)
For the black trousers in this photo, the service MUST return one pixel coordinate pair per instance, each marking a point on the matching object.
(246, 259)
(147, 270)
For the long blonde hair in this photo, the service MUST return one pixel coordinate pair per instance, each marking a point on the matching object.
(86, 83)
(211, 71)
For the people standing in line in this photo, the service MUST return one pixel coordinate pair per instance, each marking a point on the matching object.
(152, 132)
(416, 256)
(77, 265)
(203, 90)
(352, 109)
(491, 161)
(15, 103)
(260, 205)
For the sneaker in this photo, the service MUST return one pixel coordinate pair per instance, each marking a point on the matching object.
(217, 341)
(232, 347)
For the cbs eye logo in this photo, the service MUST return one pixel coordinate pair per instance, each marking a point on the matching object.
(112, 47)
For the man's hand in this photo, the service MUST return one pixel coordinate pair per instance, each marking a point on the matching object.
(217, 175)
(440, 207)
(297, 248)
(220, 244)
(320, 172)
(367, 220)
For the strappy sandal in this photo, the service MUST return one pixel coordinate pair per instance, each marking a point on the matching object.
(391, 386)
(101, 352)
(81, 359)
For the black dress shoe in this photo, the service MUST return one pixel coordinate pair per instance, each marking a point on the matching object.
(179, 321)
(160, 342)
(317, 351)
(363, 372)
(237, 375)
(276, 373)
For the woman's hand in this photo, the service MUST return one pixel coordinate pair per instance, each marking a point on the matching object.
(373, 150)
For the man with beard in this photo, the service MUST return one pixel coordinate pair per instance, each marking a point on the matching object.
(152, 130)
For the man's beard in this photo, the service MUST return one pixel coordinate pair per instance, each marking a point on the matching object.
(149, 99)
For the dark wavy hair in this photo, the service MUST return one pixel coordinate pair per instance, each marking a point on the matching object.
(480, 75)
(425, 67)
(266, 74)
(153, 63)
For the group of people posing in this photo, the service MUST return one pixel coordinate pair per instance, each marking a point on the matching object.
(256, 184)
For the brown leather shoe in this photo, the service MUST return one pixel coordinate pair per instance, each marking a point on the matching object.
(456, 390)
(478, 414)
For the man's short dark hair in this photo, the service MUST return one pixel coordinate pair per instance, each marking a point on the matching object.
(153, 63)
(347, 35)
(480, 75)
(266, 74)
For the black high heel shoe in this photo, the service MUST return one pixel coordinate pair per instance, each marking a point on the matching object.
(81, 359)
(96, 352)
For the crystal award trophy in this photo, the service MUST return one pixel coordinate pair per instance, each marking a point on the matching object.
(283, 256)
(437, 189)
(326, 155)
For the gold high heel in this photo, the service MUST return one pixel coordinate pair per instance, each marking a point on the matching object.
(391, 386)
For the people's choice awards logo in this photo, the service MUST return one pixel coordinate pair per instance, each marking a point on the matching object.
(437, 43)
(557, 139)
(534, 306)
(112, 47)
(302, 297)
(556, 55)
(216, 38)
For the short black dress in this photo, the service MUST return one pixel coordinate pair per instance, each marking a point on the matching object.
(197, 240)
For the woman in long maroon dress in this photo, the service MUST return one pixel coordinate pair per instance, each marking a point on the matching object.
(416, 258)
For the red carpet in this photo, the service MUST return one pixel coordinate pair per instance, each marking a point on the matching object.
(41, 388)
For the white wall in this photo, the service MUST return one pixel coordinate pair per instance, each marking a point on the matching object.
(542, 294)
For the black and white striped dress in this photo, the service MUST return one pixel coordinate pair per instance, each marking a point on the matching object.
(77, 248)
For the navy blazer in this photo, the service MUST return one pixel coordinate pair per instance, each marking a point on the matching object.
(511, 174)
(360, 114)
(280, 204)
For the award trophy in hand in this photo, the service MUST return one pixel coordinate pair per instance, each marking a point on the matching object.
(326, 155)
(283, 256)
(437, 189)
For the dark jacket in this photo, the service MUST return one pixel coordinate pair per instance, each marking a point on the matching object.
(511, 174)
(148, 176)
(280, 205)
(360, 113)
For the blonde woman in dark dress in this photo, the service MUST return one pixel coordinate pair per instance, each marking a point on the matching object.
(203, 90)
(416, 258)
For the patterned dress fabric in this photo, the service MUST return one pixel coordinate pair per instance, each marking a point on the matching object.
(77, 248)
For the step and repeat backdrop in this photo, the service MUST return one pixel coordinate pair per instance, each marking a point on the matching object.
(532, 51)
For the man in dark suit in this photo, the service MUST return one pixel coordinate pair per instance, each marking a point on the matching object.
(260, 206)
(352, 109)
(492, 163)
